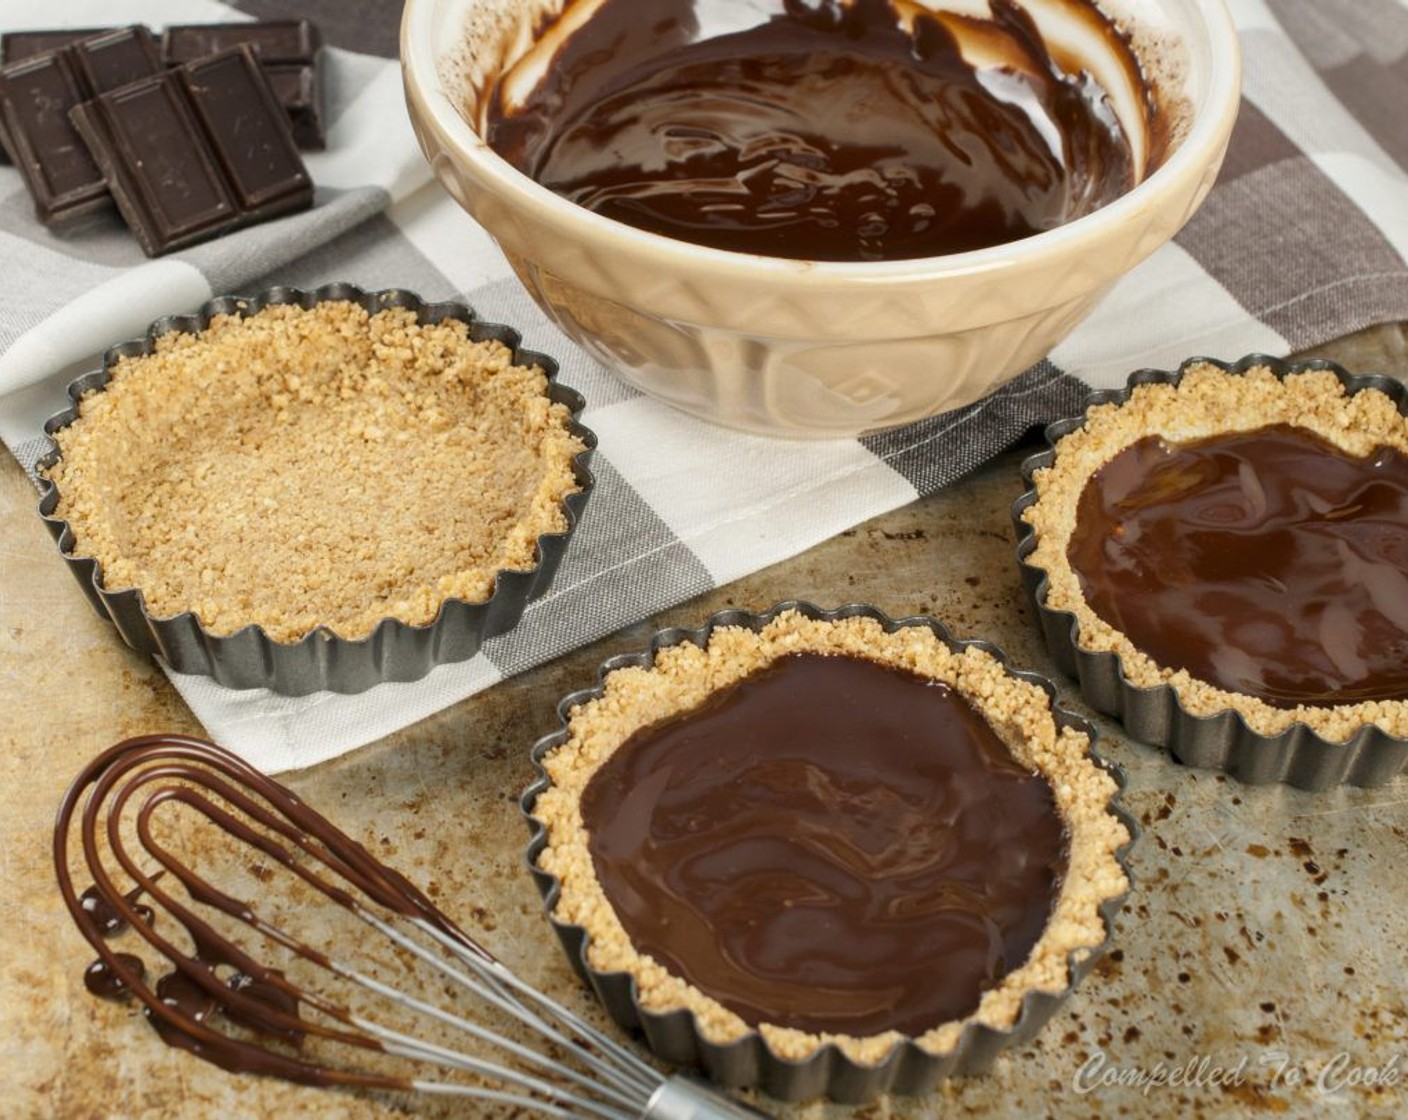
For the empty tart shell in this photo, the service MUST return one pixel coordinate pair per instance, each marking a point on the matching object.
(451, 628)
(683, 1025)
(1198, 724)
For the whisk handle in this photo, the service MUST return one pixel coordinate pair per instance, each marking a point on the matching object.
(683, 1098)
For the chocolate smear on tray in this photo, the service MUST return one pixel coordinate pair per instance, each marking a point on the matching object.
(1268, 563)
(818, 130)
(103, 916)
(829, 844)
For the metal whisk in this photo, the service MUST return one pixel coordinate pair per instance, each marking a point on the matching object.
(248, 978)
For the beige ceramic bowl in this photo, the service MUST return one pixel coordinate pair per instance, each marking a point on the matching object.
(802, 348)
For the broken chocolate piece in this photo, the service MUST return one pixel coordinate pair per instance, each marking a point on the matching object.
(299, 88)
(36, 95)
(289, 52)
(196, 152)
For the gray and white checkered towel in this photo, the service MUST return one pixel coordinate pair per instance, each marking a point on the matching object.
(1304, 238)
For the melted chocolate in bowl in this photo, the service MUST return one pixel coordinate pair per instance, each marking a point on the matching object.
(830, 845)
(819, 129)
(1268, 563)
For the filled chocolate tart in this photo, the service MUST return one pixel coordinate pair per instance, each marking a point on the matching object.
(1241, 538)
(828, 831)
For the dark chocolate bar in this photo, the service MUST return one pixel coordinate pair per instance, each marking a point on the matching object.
(36, 95)
(196, 151)
(72, 71)
(243, 118)
(289, 50)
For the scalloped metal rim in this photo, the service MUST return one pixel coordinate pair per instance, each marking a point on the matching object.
(749, 1062)
(1298, 756)
(394, 650)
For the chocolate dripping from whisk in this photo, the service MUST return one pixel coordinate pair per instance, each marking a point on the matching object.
(177, 1013)
(197, 774)
(174, 1007)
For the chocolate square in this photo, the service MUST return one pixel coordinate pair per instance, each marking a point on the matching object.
(294, 40)
(196, 152)
(108, 59)
(36, 95)
(148, 143)
(18, 45)
(250, 135)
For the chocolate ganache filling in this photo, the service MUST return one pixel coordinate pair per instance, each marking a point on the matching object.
(1268, 563)
(836, 130)
(829, 844)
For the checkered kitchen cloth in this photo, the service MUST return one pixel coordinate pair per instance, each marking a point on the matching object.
(1304, 239)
